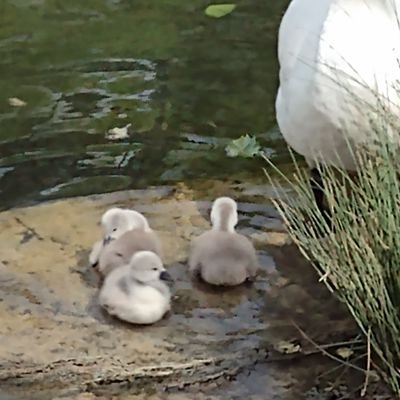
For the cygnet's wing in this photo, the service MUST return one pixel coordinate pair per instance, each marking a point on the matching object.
(223, 258)
(252, 259)
(115, 292)
(95, 253)
(194, 260)
(198, 248)
(138, 240)
(130, 301)
(120, 251)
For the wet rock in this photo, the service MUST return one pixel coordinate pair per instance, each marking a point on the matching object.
(49, 311)
(86, 396)
(271, 238)
(53, 330)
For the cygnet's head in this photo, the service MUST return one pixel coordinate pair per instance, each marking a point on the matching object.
(224, 215)
(146, 267)
(116, 221)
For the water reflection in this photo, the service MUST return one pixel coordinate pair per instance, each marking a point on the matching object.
(186, 83)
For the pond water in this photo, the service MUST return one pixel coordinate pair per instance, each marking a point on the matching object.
(186, 83)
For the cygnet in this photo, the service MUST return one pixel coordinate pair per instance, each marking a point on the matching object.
(137, 292)
(115, 223)
(221, 256)
(119, 251)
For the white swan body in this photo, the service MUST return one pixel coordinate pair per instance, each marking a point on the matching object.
(339, 64)
(137, 292)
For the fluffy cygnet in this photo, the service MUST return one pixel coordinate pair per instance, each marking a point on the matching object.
(137, 292)
(115, 222)
(221, 256)
(119, 251)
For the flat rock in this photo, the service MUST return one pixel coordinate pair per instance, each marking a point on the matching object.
(53, 332)
(51, 323)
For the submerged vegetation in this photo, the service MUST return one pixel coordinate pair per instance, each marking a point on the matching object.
(358, 257)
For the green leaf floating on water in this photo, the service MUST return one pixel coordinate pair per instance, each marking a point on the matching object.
(246, 146)
(219, 10)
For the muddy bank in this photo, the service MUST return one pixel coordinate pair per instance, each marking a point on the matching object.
(55, 337)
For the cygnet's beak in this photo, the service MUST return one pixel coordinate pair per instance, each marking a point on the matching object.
(107, 240)
(165, 276)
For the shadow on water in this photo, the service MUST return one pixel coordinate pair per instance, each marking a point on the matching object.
(187, 84)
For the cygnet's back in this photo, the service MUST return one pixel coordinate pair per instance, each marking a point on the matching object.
(221, 256)
(137, 292)
(119, 251)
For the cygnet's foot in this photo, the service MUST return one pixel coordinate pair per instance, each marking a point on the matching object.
(167, 314)
(250, 280)
(195, 275)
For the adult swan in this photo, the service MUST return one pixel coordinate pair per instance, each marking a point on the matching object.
(339, 63)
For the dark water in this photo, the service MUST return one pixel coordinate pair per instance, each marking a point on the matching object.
(187, 84)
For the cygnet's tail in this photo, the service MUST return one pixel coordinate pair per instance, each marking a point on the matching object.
(223, 274)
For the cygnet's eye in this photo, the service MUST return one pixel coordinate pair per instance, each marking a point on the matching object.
(155, 269)
(114, 230)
